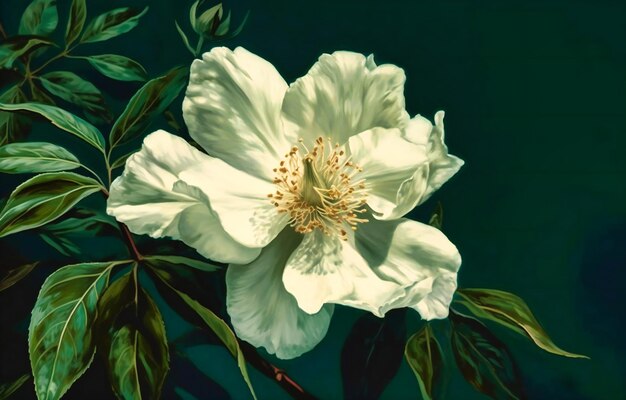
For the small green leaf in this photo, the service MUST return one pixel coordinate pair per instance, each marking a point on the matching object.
(151, 100)
(216, 325)
(184, 37)
(120, 162)
(12, 276)
(7, 389)
(133, 340)
(238, 30)
(14, 47)
(118, 67)
(205, 22)
(42, 199)
(40, 96)
(64, 120)
(60, 334)
(39, 18)
(76, 21)
(436, 220)
(192, 14)
(12, 125)
(74, 89)
(163, 261)
(423, 354)
(224, 26)
(484, 361)
(511, 311)
(33, 157)
(111, 24)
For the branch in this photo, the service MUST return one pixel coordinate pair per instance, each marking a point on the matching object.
(273, 372)
(128, 237)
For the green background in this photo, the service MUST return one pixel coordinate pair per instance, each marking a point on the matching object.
(535, 101)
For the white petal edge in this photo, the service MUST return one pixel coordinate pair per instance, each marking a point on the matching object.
(325, 269)
(344, 94)
(232, 108)
(263, 313)
(239, 200)
(415, 256)
(148, 199)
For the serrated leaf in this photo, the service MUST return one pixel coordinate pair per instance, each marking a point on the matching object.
(40, 18)
(64, 120)
(34, 157)
(14, 47)
(164, 260)
(511, 311)
(423, 354)
(7, 389)
(118, 67)
(111, 24)
(133, 340)
(42, 199)
(151, 100)
(60, 334)
(12, 126)
(372, 354)
(12, 276)
(216, 325)
(76, 21)
(74, 89)
(484, 361)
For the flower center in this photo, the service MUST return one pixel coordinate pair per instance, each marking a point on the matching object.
(319, 189)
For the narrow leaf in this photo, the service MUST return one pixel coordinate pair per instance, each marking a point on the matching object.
(8, 389)
(120, 162)
(423, 354)
(184, 38)
(217, 326)
(12, 125)
(133, 340)
(43, 199)
(74, 89)
(14, 47)
(40, 18)
(34, 157)
(118, 67)
(76, 21)
(204, 23)
(224, 26)
(151, 100)
(484, 361)
(60, 335)
(64, 120)
(511, 311)
(372, 354)
(111, 24)
(15, 275)
(161, 261)
(192, 13)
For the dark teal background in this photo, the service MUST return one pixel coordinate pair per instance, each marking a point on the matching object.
(535, 101)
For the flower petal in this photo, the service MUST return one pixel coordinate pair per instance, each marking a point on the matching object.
(388, 161)
(239, 200)
(344, 94)
(232, 109)
(325, 269)
(148, 199)
(263, 312)
(416, 257)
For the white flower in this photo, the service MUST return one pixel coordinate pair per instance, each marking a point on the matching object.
(303, 193)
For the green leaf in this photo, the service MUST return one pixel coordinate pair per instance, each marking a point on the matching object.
(14, 47)
(134, 342)
(192, 14)
(111, 24)
(7, 389)
(76, 21)
(12, 276)
(34, 157)
(39, 18)
(484, 361)
(118, 67)
(163, 261)
(423, 354)
(60, 334)
(436, 220)
(151, 100)
(42, 199)
(120, 162)
(511, 311)
(184, 37)
(216, 325)
(41, 96)
(224, 26)
(12, 125)
(205, 22)
(74, 89)
(64, 120)
(238, 30)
